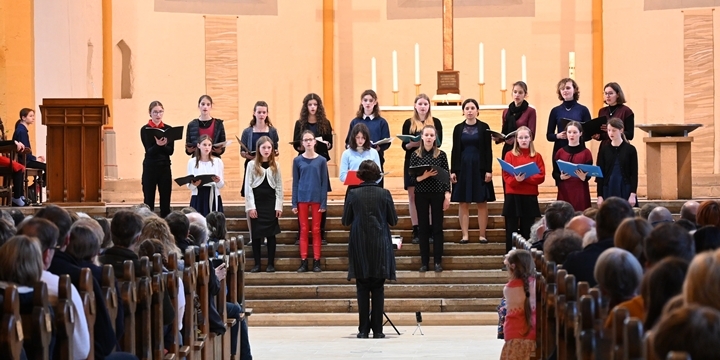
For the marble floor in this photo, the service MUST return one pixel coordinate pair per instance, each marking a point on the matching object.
(340, 342)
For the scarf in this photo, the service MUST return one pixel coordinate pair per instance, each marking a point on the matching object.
(513, 115)
(158, 126)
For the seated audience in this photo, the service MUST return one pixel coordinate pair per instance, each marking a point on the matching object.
(703, 275)
(707, 238)
(180, 228)
(668, 240)
(689, 211)
(16, 215)
(557, 214)
(559, 244)
(687, 225)
(708, 213)
(661, 283)
(537, 231)
(157, 228)
(630, 235)
(610, 214)
(591, 213)
(659, 215)
(646, 209)
(106, 239)
(7, 230)
(590, 237)
(198, 232)
(580, 224)
(196, 217)
(692, 329)
(618, 274)
(216, 224)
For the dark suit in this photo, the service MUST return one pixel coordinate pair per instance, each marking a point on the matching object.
(582, 263)
(370, 211)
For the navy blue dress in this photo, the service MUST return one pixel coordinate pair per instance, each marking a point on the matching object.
(471, 185)
(616, 186)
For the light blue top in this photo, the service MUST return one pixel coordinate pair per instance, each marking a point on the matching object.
(351, 160)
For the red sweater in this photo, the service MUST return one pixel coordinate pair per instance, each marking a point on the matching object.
(528, 186)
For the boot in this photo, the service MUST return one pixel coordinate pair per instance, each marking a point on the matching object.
(316, 266)
(323, 237)
(415, 238)
(255, 268)
(303, 266)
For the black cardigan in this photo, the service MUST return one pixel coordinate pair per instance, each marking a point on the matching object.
(485, 146)
(156, 155)
(628, 165)
(297, 132)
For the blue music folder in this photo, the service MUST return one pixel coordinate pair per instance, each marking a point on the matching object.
(569, 168)
(529, 169)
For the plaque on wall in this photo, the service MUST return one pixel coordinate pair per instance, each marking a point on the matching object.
(448, 82)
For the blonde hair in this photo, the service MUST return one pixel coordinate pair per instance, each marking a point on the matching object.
(524, 270)
(516, 145)
(703, 270)
(435, 150)
(416, 123)
(157, 228)
(21, 260)
(258, 159)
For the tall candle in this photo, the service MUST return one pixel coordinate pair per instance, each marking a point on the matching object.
(482, 64)
(417, 64)
(524, 69)
(572, 65)
(503, 81)
(373, 74)
(395, 71)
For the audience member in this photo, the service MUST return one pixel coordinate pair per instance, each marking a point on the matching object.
(630, 235)
(668, 240)
(180, 229)
(708, 213)
(687, 225)
(591, 213)
(17, 216)
(105, 225)
(188, 210)
(610, 214)
(659, 215)
(198, 232)
(157, 228)
(689, 211)
(580, 224)
(707, 238)
(646, 209)
(692, 329)
(196, 217)
(7, 230)
(537, 230)
(559, 244)
(217, 226)
(703, 275)
(590, 237)
(661, 283)
(618, 274)
(557, 214)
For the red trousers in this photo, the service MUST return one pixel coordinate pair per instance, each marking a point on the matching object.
(5, 161)
(304, 211)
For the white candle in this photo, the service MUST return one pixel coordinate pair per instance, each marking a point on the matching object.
(572, 65)
(524, 69)
(482, 64)
(395, 71)
(417, 64)
(502, 70)
(373, 74)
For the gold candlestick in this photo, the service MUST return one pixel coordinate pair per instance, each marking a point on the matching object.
(482, 93)
(417, 89)
(504, 99)
(395, 98)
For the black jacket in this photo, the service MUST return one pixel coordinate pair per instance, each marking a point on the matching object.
(192, 134)
(628, 165)
(155, 155)
(484, 145)
(321, 150)
(582, 263)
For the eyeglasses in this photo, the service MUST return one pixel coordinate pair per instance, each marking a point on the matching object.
(158, 112)
(307, 140)
(609, 94)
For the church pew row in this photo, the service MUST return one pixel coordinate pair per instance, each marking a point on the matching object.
(142, 295)
(570, 319)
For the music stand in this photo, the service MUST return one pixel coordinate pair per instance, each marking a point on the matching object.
(418, 318)
(387, 320)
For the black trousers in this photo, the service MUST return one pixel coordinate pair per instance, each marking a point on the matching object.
(426, 203)
(271, 246)
(159, 177)
(370, 320)
(519, 225)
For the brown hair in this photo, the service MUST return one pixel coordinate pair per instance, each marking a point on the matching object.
(267, 119)
(574, 123)
(522, 85)
(376, 109)
(21, 261)
(197, 150)
(708, 213)
(157, 228)
(150, 247)
(258, 159)
(416, 123)
(360, 128)
(524, 270)
(702, 278)
(205, 97)
(157, 103)
(516, 145)
(616, 87)
(576, 95)
(323, 124)
(85, 239)
(435, 151)
(693, 330)
(618, 124)
(630, 234)
(368, 171)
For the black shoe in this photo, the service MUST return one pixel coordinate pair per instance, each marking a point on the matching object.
(464, 241)
(438, 268)
(316, 266)
(255, 268)
(303, 266)
(324, 242)
(297, 241)
(323, 236)
(270, 268)
(423, 268)
(378, 336)
(362, 335)
(415, 238)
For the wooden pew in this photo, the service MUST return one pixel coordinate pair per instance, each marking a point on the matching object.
(550, 304)
(157, 282)
(619, 316)
(678, 355)
(194, 343)
(11, 331)
(88, 299)
(173, 288)
(539, 295)
(110, 295)
(560, 310)
(586, 339)
(223, 253)
(571, 316)
(633, 339)
(143, 318)
(203, 281)
(128, 292)
(37, 326)
(64, 320)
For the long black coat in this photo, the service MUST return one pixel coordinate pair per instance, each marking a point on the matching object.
(370, 211)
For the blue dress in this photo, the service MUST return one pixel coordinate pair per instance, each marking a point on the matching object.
(471, 185)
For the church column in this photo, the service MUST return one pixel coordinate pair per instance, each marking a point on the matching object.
(109, 153)
(598, 54)
(17, 60)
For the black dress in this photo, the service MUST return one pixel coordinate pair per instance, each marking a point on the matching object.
(266, 224)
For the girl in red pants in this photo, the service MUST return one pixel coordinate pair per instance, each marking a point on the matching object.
(309, 197)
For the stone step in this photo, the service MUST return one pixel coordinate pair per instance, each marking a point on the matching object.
(403, 277)
(287, 237)
(408, 249)
(392, 291)
(409, 305)
(335, 223)
(405, 321)
(402, 263)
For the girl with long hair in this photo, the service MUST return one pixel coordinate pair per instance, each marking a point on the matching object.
(206, 198)
(471, 169)
(432, 196)
(569, 93)
(520, 325)
(309, 197)
(157, 172)
(619, 165)
(521, 206)
(264, 201)
(413, 126)
(359, 150)
(260, 126)
(519, 113)
(573, 189)
(369, 114)
(614, 98)
(205, 124)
